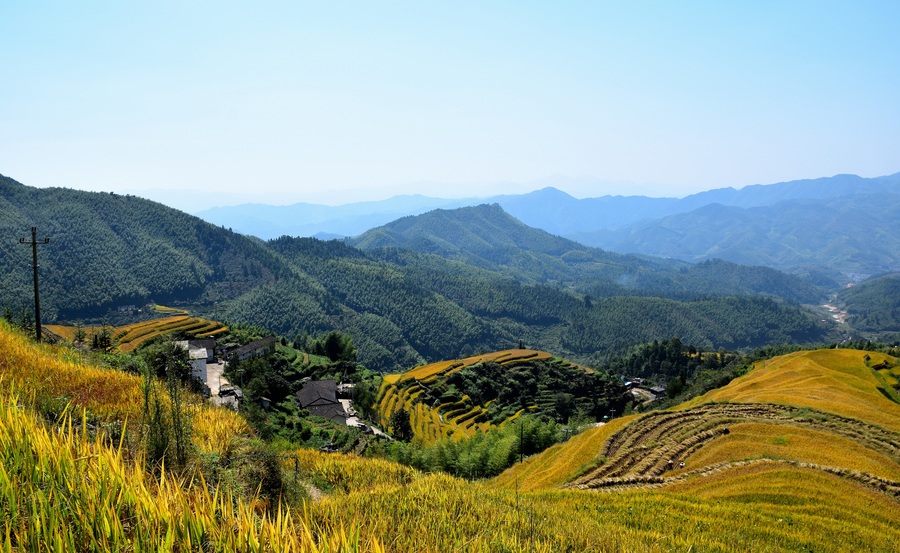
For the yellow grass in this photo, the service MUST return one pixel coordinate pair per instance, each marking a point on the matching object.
(439, 513)
(87, 497)
(63, 331)
(60, 491)
(832, 380)
(810, 491)
(349, 473)
(163, 309)
(56, 376)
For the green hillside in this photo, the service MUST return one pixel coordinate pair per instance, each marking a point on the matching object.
(109, 250)
(400, 307)
(874, 305)
(833, 236)
(443, 309)
(488, 237)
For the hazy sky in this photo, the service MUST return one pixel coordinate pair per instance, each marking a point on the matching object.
(342, 101)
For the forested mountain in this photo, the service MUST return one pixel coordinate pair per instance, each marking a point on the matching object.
(874, 305)
(851, 234)
(488, 237)
(400, 307)
(109, 250)
(588, 220)
(403, 307)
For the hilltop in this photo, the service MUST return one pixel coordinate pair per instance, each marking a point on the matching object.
(488, 237)
(462, 397)
(109, 250)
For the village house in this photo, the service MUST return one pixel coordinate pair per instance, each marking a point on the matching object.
(319, 397)
(257, 348)
(209, 344)
(199, 357)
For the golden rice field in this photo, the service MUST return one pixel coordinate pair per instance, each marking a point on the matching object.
(555, 466)
(51, 377)
(402, 391)
(783, 478)
(88, 497)
(816, 414)
(833, 380)
(62, 491)
(427, 373)
(129, 337)
(169, 310)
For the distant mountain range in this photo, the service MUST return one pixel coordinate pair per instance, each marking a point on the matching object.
(486, 236)
(827, 227)
(855, 235)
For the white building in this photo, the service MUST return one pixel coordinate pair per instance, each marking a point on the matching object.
(198, 358)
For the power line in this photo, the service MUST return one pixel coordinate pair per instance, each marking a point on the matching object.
(37, 297)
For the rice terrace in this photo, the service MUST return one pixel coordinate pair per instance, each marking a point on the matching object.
(767, 466)
(129, 337)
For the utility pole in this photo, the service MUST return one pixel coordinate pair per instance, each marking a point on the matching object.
(34, 265)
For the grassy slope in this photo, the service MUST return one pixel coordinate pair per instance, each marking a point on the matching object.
(52, 378)
(374, 505)
(555, 466)
(822, 407)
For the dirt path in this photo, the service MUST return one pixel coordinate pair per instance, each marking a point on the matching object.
(314, 493)
(889, 487)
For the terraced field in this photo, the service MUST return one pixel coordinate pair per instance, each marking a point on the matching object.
(130, 337)
(432, 420)
(668, 447)
(831, 413)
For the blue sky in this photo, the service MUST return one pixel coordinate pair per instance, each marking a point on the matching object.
(341, 101)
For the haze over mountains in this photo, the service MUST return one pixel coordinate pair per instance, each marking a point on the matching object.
(826, 227)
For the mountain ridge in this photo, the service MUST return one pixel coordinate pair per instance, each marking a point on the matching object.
(580, 214)
(843, 234)
(606, 221)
